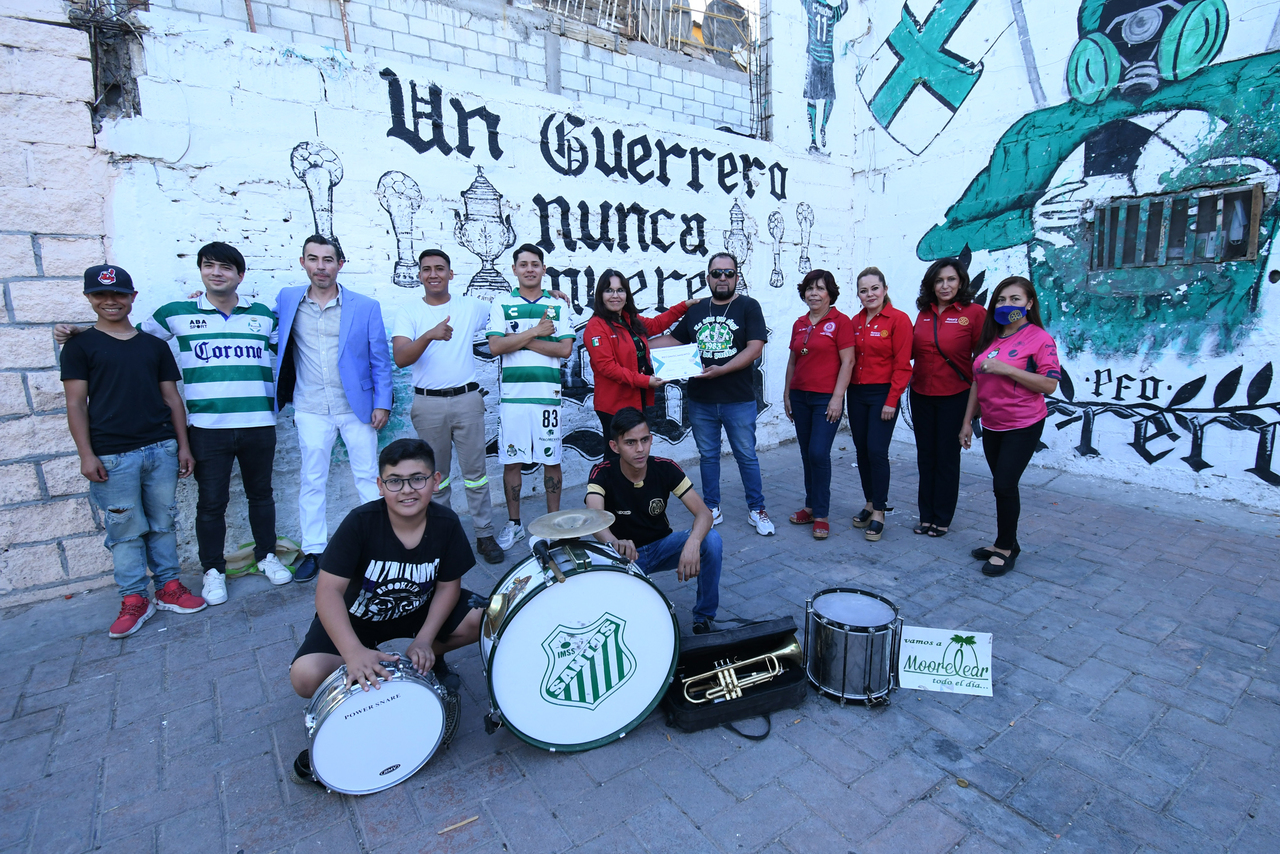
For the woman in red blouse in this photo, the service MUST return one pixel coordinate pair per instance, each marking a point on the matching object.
(818, 372)
(881, 370)
(946, 333)
(617, 340)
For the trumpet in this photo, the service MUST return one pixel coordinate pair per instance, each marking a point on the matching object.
(725, 682)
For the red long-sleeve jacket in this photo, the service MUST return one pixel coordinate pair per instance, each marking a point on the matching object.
(882, 351)
(619, 383)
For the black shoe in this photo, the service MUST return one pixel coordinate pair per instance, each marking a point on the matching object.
(991, 570)
(490, 550)
(875, 530)
(985, 553)
(308, 569)
(703, 627)
(302, 770)
(863, 519)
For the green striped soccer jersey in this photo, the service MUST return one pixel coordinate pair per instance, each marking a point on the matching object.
(226, 361)
(529, 377)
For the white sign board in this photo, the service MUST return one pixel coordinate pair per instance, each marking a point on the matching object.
(949, 660)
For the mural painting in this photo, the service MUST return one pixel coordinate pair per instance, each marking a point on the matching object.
(820, 73)
(1144, 209)
(697, 199)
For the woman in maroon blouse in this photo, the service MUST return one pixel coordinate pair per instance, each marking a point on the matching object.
(881, 370)
(946, 333)
(818, 372)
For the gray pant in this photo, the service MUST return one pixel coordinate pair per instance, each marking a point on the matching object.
(446, 423)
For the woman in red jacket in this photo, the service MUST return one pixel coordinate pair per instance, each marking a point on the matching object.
(617, 340)
(946, 333)
(881, 369)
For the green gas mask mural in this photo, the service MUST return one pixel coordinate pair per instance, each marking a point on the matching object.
(1147, 203)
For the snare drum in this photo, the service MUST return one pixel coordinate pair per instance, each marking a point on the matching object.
(851, 644)
(577, 664)
(366, 741)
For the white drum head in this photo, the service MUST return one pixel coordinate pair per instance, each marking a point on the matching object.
(375, 739)
(854, 609)
(583, 662)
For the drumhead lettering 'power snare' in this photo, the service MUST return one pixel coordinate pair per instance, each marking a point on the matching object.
(576, 664)
(366, 741)
(851, 644)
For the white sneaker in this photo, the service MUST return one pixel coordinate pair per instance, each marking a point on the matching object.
(716, 516)
(762, 522)
(215, 587)
(276, 572)
(510, 534)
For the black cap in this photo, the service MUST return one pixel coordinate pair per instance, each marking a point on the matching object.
(108, 278)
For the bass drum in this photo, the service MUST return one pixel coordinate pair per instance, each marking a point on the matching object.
(366, 741)
(577, 664)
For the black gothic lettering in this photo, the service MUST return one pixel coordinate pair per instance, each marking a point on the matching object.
(676, 150)
(490, 119)
(695, 182)
(639, 213)
(638, 152)
(544, 221)
(568, 155)
(747, 163)
(694, 225)
(605, 169)
(654, 238)
(778, 181)
(584, 226)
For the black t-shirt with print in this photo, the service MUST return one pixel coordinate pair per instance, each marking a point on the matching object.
(722, 332)
(387, 579)
(126, 409)
(640, 508)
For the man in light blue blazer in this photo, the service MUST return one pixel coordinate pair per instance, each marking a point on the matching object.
(335, 368)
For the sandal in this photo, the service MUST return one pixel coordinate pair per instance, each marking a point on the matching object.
(986, 553)
(862, 519)
(923, 528)
(821, 530)
(874, 531)
(939, 531)
(802, 517)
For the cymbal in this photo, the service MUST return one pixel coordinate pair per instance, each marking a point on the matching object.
(566, 524)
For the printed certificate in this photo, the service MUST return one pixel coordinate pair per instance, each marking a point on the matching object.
(676, 363)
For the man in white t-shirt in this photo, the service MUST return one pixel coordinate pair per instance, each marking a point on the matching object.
(434, 335)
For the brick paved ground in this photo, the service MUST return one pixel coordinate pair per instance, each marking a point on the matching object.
(1135, 708)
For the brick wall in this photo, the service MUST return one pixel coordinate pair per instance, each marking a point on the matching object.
(54, 182)
(511, 45)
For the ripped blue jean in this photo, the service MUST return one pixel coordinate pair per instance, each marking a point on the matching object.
(140, 514)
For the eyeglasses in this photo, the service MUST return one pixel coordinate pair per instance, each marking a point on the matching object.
(417, 482)
(722, 274)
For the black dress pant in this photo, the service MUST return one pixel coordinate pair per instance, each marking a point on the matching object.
(871, 437)
(936, 420)
(1008, 453)
(214, 451)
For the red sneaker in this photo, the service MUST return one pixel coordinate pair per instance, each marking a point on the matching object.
(134, 611)
(176, 597)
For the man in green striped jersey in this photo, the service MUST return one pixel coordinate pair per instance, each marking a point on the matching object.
(226, 346)
(530, 330)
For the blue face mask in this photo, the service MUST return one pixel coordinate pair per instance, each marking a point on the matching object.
(1006, 314)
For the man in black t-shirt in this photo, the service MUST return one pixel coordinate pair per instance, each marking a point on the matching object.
(635, 489)
(730, 332)
(392, 570)
(130, 429)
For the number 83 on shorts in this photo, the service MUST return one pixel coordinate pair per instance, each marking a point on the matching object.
(530, 433)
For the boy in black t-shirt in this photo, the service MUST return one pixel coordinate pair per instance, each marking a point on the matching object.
(635, 488)
(130, 429)
(392, 570)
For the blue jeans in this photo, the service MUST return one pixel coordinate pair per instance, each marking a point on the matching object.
(139, 511)
(814, 434)
(739, 423)
(665, 554)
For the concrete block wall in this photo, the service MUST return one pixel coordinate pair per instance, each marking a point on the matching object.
(509, 45)
(54, 183)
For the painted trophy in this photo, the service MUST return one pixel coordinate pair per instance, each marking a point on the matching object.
(804, 216)
(400, 198)
(486, 233)
(737, 241)
(320, 171)
(776, 229)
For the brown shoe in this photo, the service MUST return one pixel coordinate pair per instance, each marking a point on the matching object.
(490, 550)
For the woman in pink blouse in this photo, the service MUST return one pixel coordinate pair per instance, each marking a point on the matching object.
(1017, 365)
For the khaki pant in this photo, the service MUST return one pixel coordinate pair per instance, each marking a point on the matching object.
(449, 423)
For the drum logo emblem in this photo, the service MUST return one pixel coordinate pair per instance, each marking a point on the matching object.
(588, 664)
